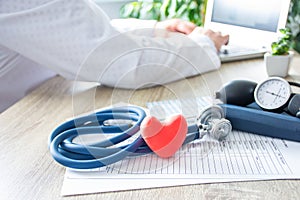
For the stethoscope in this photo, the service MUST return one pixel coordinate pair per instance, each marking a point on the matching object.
(237, 94)
(109, 150)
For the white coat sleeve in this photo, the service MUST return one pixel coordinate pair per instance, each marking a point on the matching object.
(75, 39)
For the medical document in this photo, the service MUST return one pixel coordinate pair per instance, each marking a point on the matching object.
(240, 157)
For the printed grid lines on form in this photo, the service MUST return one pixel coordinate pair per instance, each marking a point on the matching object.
(240, 153)
(206, 157)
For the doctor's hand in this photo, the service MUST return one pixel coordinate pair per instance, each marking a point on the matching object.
(217, 37)
(176, 25)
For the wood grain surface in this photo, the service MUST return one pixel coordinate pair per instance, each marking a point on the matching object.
(27, 170)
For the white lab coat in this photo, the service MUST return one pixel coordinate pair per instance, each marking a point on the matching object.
(75, 39)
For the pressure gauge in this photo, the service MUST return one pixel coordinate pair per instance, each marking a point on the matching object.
(273, 93)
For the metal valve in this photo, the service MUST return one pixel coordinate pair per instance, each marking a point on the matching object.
(211, 121)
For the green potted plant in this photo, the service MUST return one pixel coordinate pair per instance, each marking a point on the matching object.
(190, 10)
(278, 60)
(294, 23)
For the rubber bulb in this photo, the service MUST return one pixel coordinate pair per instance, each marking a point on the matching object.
(237, 92)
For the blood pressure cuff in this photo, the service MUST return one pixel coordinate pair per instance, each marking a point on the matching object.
(263, 122)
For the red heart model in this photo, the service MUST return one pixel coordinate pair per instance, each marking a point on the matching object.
(164, 139)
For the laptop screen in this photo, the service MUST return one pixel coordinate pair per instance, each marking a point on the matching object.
(256, 14)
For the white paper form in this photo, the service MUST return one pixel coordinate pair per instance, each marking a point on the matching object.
(242, 156)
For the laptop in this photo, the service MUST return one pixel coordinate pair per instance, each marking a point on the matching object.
(252, 25)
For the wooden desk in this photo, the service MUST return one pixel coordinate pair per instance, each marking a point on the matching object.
(27, 170)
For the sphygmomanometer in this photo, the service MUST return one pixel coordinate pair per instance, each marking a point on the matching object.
(246, 107)
(268, 108)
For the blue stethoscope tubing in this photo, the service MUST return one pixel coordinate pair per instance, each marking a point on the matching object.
(103, 153)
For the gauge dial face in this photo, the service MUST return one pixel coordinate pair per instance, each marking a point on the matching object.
(272, 93)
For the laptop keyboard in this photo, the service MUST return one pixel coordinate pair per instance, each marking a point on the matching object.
(232, 53)
(236, 49)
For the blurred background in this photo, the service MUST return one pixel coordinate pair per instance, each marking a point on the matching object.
(191, 10)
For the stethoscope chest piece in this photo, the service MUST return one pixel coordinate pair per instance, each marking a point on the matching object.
(211, 121)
